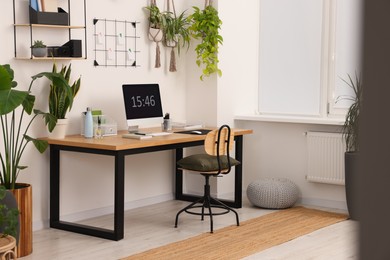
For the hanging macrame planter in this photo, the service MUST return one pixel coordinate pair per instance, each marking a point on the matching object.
(155, 32)
(172, 43)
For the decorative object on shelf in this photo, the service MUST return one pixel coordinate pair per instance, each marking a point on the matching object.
(39, 49)
(205, 25)
(107, 50)
(61, 98)
(155, 33)
(17, 114)
(176, 32)
(351, 136)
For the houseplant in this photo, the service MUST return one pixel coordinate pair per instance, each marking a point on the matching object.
(60, 101)
(205, 25)
(176, 34)
(155, 33)
(9, 214)
(17, 114)
(351, 136)
(39, 49)
(9, 224)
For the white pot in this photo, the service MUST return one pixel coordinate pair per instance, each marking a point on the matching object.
(59, 132)
(173, 42)
(155, 35)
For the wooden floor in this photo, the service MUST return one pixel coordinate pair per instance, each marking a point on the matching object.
(152, 226)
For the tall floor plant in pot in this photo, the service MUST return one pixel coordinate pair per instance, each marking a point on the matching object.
(17, 114)
(351, 137)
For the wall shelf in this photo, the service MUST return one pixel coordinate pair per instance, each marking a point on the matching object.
(21, 46)
(51, 26)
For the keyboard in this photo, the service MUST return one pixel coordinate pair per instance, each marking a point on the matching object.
(159, 133)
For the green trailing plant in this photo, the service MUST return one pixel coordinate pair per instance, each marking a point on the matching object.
(17, 114)
(38, 44)
(8, 217)
(205, 25)
(351, 125)
(61, 95)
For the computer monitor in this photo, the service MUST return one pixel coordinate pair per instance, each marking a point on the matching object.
(142, 105)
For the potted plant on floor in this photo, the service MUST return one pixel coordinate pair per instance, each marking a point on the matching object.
(17, 114)
(39, 49)
(351, 136)
(176, 34)
(205, 25)
(60, 101)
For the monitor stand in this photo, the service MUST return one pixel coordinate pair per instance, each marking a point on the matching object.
(132, 128)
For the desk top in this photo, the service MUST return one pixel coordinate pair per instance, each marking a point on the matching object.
(117, 142)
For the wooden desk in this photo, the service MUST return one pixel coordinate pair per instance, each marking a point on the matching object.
(119, 147)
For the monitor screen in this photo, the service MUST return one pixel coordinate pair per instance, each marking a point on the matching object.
(142, 104)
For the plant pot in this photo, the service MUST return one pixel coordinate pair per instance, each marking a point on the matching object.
(351, 185)
(23, 196)
(39, 52)
(155, 35)
(59, 132)
(172, 42)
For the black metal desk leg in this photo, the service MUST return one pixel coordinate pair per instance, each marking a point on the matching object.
(238, 173)
(119, 203)
(54, 185)
(178, 175)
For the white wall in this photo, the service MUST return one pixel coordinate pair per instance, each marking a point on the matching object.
(213, 101)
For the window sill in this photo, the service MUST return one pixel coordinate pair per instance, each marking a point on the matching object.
(291, 119)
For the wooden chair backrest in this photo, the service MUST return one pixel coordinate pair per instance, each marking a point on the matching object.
(211, 141)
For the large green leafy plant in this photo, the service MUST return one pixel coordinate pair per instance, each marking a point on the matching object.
(17, 114)
(8, 217)
(205, 25)
(61, 95)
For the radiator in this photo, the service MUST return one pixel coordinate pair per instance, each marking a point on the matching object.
(325, 158)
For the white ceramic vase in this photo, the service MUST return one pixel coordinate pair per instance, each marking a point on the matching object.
(59, 132)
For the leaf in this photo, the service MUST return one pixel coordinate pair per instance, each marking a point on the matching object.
(11, 99)
(41, 145)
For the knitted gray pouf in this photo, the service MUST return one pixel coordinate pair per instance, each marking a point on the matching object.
(273, 193)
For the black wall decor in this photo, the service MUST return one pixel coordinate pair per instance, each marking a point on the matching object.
(115, 43)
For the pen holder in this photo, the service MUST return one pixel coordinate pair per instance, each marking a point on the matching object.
(166, 125)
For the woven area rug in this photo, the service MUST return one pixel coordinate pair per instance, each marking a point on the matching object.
(250, 237)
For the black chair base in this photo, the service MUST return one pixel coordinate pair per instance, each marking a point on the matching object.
(207, 202)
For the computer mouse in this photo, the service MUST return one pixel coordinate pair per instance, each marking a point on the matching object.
(196, 132)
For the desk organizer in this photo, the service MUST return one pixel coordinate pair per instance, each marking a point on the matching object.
(60, 18)
(108, 125)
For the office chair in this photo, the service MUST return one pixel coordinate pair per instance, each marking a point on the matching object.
(215, 162)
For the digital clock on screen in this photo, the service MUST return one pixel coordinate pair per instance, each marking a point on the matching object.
(142, 101)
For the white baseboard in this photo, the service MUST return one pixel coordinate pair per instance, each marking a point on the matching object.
(332, 204)
(78, 216)
(42, 224)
